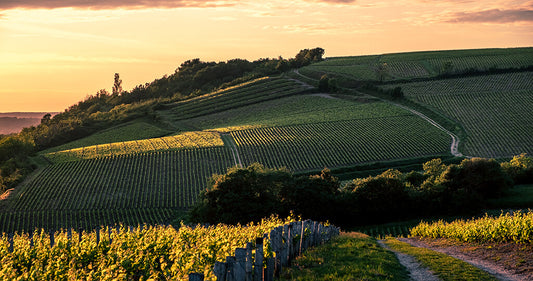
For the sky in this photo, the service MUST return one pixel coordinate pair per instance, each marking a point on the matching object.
(54, 53)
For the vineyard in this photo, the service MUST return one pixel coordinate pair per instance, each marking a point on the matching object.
(120, 253)
(294, 110)
(258, 91)
(491, 108)
(334, 144)
(422, 64)
(516, 228)
(185, 140)
(135, 130)
(113, 189)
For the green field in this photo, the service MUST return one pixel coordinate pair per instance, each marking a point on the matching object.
(494, 110)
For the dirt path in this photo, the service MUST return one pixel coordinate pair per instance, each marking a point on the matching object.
(492, 268)
(454, 147)
(228, 140)
(416, 271)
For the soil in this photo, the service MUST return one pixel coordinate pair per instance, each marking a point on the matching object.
(506, 261)
(416, 271)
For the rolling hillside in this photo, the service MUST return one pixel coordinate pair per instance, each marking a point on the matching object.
(148, 171)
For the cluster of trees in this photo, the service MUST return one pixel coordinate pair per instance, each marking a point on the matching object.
(249, 194)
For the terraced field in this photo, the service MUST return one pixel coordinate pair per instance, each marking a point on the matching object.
(494, 110)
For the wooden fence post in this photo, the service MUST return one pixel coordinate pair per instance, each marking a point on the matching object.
(196, 277)
(302, 230)
(259, 255)
(220, 271)
(240, 264)
(249, 261)
(230, 268)
(269, 272)
(284, 246)
(289, 243)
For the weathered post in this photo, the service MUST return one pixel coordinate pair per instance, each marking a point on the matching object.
(289, 244)
(239, 271)
(269, 272)
(249, 261)
(220, 271)
(230, 268)
(284, 246)
(302, 231)
(259, 255)
(196, 277)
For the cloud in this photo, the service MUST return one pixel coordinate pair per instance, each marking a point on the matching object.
(111, 4)
(494, 16)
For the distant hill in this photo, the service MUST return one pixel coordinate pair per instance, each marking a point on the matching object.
(13, 122)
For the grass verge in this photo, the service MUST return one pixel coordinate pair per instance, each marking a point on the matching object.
(351, 256)
(444, 266)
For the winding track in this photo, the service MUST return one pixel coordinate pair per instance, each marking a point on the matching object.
(454, 148)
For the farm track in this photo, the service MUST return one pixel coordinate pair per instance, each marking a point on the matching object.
(230, 143)
(416, 271)
(454, 147)
(493, 269)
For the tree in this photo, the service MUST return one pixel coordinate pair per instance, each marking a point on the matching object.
(477, 177)
(382, 70)
(46, 119)
(446, 68)
(117, 85)
(323, 83)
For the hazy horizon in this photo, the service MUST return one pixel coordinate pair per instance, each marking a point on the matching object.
(55, 53)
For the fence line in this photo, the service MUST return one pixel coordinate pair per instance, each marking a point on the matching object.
(286, 242)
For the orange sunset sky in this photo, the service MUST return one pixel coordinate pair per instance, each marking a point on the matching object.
(54, 53)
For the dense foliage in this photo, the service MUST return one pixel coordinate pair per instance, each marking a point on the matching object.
(247, 194)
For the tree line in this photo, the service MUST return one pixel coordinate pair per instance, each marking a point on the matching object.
(248, 194)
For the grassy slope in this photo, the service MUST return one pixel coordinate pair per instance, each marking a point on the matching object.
(351, 256)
